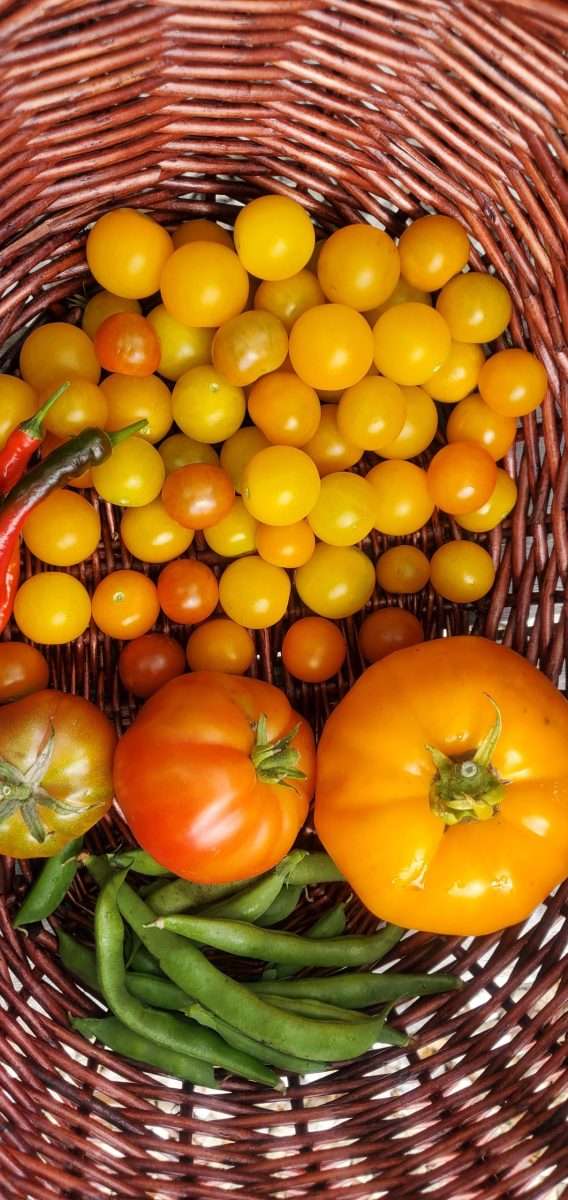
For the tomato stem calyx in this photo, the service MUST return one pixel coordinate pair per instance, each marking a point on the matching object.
(468, 789)
(276, 761)
(22, 790)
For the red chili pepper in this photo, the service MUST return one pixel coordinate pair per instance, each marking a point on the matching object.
(22, 443)
(9, 585)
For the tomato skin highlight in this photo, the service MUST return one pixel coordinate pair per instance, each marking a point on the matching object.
(149, 662)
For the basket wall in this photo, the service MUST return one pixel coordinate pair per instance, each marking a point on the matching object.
(359, 108)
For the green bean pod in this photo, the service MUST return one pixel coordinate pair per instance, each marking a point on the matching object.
(139, 861)
(145, 963)
(319, 1010)
(359, 990)
(316, 868)
(157, 992)
(330, 924)
(112, 1033)
(51, 885)
(252, 902)
(282, 907)
(180, 895)
(266, 1054)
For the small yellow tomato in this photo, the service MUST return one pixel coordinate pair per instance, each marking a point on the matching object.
(125, 604)
(500, 503)
(150, 534)
(462, 572)
(237, 452)
(52, 608)
(331, 347)
(403, 570)
(513, 382)
(220, 645)
(181, 346)
(432, 249)
(477, 307)
(403, 503)
(336, 582)
(179, 450)
(472, 420)
(248, 346)
(286, 409)
(372, 413)
(130, 399)
(281, 485)
(18, 401)
(132, 476)
(274, 237)
(420, 425)
(204, 284)
(328, 448)
(253, 592)
(344, 512)
(201, 230)
(458, 375)
(206, 406)
(358, 266)
(55, 352)
(285, 545)
(411, 341)
(63, 529)
(287, 299)
(83, 405)
(126, 251)
(102, 305)
(403, 294)
(234, 534)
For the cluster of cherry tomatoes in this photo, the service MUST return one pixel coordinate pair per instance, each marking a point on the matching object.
(281, 362)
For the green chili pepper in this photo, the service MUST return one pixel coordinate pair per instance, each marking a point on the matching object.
(117, 1036)
(51, 885)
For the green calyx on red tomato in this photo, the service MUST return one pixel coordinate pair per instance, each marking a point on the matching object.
(55, 772)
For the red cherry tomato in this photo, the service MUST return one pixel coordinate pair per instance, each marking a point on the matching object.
(198, 495)
(187, 591)
(128, 344)
(148, 662)
(313, 649)
(387, 630)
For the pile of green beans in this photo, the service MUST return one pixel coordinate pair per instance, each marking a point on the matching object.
(171, 1008)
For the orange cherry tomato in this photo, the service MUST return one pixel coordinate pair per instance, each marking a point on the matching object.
(513, 382)
(472, 420)
(501, 502)
(238, 450)
(125, 604)
(150, 534)
(462, 572)
(187, 591)
(126, 251)
(288, 298)
(432, 249)
(403, 501)
(371, 413)
(55, 352)
(286, 409)
(387, 630)
(248, 346)
(204, 284)
(476, 307)
(52, 608)
(130, 399)
(403, 569)
(313, 649)
(285, 545)
(461, 477)
(403, 293)
(102, 305)
(220, 645)
(331, 347)
(328, 448)
(420, 425)
(198, 495)
(274, 237)
(358, 266)
(458, 375)
(281, 485)
(127, 343)
(201, 230)
(148, 662)
(411, 341)
(22, 670)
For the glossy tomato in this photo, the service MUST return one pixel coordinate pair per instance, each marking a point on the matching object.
(52, 608)
(150, 534)
(420, 425)
(181, 346)
(254, 593)
(513, 382)
(126, 251)
(204, 284)
(132, 476)
(206, 406)
(202, 776)
(500, 503)
(220, 645)
(286, 409)
(403, 293)
(472, 420)
(198, 495)
(288, 298)
(344, 512)
(234, 534)
(285, 545)
(55, 352)
(432, 249)
(102, 305)
(461, 477)
(130, 399)
(238, 450)
(336, 582)
(358, 266)
(274, 237)
(411, 341)
(477, 307)
(313, 649)
(403, 501)
(18, 401)
(248, 346)
(280, 485)
(63, 529)
(128, 344)
(149, 662)
(83, 405)
(462, 572)
(187, 591)
(329, 448)
(22, 670)
(201, 230)
(371, 414)
(125, 604)
(387, 630)
(179, 450)
(458, 375)
(331, 347)
(403, 569)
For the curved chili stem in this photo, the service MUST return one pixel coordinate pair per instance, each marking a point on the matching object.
(23, 442)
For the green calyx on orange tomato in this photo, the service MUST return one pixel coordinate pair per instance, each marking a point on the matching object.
(467, 789)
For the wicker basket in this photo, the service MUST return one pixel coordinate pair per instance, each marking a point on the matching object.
(381, 108)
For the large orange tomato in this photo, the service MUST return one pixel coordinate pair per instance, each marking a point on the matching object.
(215, 776)
(443, 787)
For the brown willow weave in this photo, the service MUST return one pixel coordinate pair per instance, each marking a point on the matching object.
(360, 108)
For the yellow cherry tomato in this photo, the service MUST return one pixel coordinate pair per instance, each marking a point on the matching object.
(462, 572)
(52, 608)
(344, 512)
(328, 448)
(18, 401)
(248, 346)
(286, 409)
(287, 299)
(63, 529)
(274, 237)
(234, 534)
(179, 450)
(281, 485)
(433, 249)
(477, 307)
(55, 352)
(387, 630)
(336, 582)
(461, 477)
(181, 346)
(238, 451)
(201, 230)
(472, 420)
(458, 375)
(403, 570)
(513, 382)
(372, 413)
(420, 425)
(125, 604)
(132, 476)
(83, 405)
(206, 406)
(285, 545)
(204, 284)
(130, 399)
(126, 251)
(500, 503)
(359, 266)
(102, 305)
(150, 534)
(220, 645)
(254, 593)
(411, 341)
(331, 347)
(403, 293)
(403, 503)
